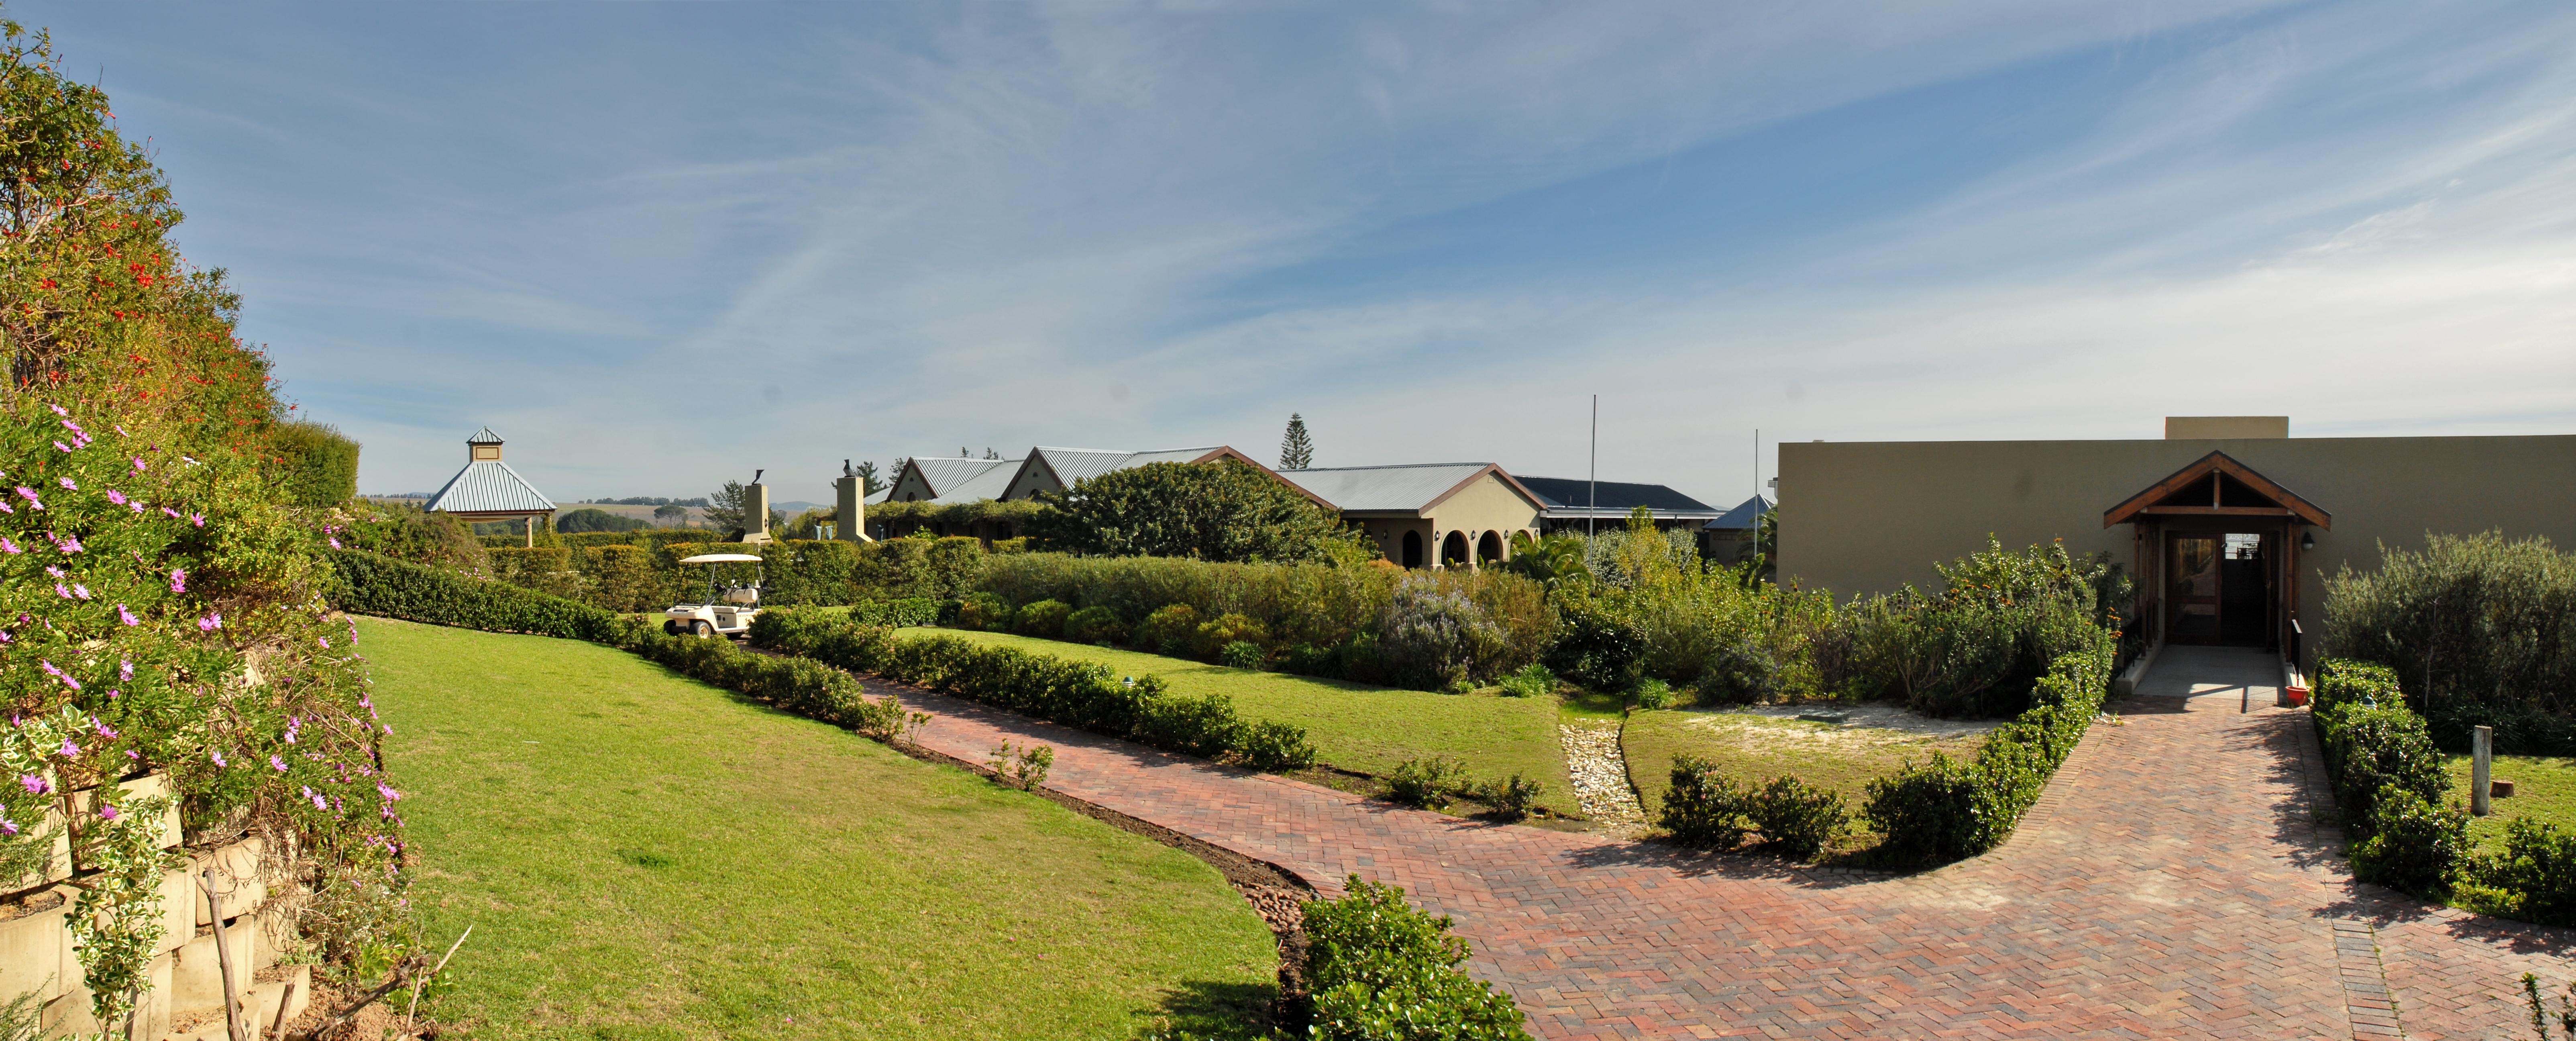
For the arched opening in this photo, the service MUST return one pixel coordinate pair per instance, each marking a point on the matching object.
(1489, 549)
(1453, 550)
(1413, 549)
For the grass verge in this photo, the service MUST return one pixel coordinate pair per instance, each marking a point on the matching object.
(645, 857)
(1355, 726)
(2544, 789)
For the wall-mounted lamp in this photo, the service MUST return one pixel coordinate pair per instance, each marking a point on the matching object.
(2307, 540)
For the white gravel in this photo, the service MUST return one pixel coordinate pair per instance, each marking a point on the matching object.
(1601, 776)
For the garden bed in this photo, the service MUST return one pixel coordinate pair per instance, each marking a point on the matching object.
(645, 856)
(1755, 744)
(1354, 726)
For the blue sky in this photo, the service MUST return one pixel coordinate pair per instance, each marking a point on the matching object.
(658, 246)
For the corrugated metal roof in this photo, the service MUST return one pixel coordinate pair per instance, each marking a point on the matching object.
(489, 486)
(1373, 489)
(1074, 464)
(1570, 496)
(987, 485)
(1742, 516)
(484, 436)
(945, 474)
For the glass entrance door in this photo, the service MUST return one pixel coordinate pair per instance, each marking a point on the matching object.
(2191, 590)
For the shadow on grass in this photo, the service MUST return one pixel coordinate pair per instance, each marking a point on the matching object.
(1216, 1011)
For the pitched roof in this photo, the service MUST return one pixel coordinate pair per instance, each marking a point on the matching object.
(1744, 515)
(1575, 497)
(1407, 488)
(1074, 464)
(489, 486)
(484, 436)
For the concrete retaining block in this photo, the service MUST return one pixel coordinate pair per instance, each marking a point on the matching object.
(35, 947)
(197, 972)
(58, 862)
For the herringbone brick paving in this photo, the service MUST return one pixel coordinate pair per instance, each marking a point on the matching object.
(2176, 881)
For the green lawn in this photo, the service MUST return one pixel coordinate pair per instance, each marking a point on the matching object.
(642, 856)
(2544, 789)
(1755, 748)
(1353, 726)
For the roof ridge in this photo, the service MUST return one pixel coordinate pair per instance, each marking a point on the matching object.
(1387, 466)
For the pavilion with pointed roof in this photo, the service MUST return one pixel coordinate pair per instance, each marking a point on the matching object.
(488, 490)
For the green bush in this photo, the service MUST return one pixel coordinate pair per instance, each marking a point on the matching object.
(1204, 726)
(1704, 808)
(1044, 618)
(1600, 650)
(1435, 637)
(1241, 654)
(1379, 970)
(1512, 799)
(1095, 625)
(1271, 746)
(1169, 629)
(896, 614)
(2372, 741)
(1212, 637)
(1796, 818)
(1221, 511)
(592, 519)
(622, 579)
(2534, 875)
(1427, 783)
(1533, 681)
(1653, 694)
(1947, 810)
(983, 611)
(2476, 627)
(2414, 846)
(316, 465)
(1739, 672)
(407, 532)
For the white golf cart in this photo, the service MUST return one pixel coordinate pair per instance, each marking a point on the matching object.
(728, 607)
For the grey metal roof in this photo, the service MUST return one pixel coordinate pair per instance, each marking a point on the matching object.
(489, 486)
(484, 436)
(1074, 464)
(1378, 489)
(1742, 516)
(945, 475)
(1574, 497)
(987, 485)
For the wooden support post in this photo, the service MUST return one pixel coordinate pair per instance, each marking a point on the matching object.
(2481, 771)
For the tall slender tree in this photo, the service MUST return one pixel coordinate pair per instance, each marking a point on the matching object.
(1296, 450)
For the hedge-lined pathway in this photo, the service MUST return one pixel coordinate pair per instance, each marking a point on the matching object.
(2172, 883)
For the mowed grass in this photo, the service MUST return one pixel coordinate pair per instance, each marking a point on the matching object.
(1354, 726)
(642, 856)
(1753, 748)
(2544, 789)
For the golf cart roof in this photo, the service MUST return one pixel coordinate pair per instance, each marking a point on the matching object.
(721, 558)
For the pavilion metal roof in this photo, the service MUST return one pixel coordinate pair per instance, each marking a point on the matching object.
(484, 436)
(1574, 497)
(1744, 515)
(489, 486)
(1408, 488)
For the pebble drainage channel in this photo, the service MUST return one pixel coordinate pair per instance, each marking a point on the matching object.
(1601, 777)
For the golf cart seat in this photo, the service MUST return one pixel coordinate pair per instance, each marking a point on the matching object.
(745, 595)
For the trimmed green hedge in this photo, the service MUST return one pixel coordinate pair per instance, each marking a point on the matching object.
(1949, 810)
(1080, 694)
(316, 463)
(897, 614)
(374, 585)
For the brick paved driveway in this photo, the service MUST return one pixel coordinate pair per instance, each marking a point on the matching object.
(2172, 883)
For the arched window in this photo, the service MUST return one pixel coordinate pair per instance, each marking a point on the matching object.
(1413, 549)
(1453, 550)
(1489, 548)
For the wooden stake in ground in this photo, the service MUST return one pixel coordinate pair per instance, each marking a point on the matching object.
(409, 1024)
(233, 1018)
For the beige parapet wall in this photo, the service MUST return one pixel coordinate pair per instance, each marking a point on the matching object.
(1870, 516)
(187, 997)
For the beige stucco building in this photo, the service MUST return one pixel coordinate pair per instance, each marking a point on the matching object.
(1430, 514)
(2229, 525)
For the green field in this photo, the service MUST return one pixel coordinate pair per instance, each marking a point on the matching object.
(643, 856)
(1353, 726)
(1754, 748)
(2544, 789)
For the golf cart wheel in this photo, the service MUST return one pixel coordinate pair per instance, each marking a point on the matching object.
(670, 627)
(702, 629)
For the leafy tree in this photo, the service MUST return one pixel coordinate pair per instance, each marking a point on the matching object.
(670, 513)
(1222, 511)
(1296, 450)
(725, 510)
(595, 519)
(868, 478)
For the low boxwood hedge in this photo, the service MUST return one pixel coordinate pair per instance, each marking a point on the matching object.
(1949, 810)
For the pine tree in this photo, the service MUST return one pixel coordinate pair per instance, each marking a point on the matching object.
(867, 472)
(1296, 451)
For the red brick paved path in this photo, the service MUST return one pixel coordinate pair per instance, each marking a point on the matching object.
(2172, 883)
